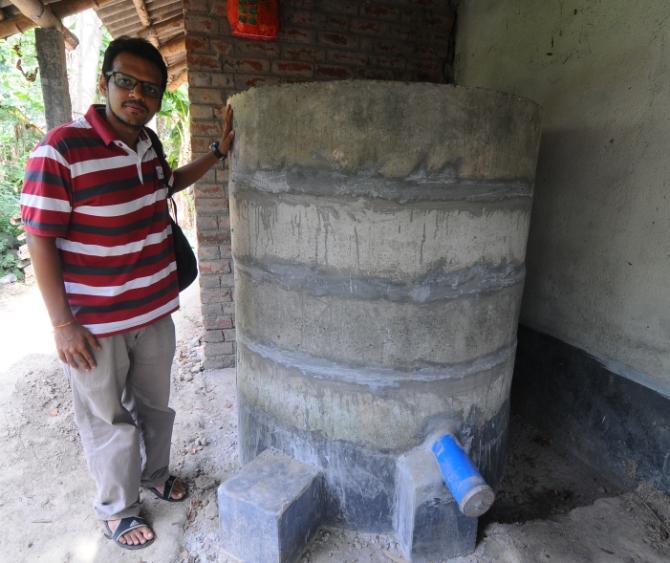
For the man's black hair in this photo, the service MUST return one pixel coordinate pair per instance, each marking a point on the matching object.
(138, 47)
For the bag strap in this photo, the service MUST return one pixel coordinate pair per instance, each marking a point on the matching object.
(158, 147)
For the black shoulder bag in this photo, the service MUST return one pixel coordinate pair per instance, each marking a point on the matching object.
(187, 264)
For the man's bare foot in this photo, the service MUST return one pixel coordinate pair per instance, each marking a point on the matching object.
(133, 537)
(177, 493)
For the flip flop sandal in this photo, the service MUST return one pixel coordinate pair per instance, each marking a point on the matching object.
(167, 491)
(126, 525)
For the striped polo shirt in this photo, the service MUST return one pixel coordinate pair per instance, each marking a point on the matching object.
(106, 206)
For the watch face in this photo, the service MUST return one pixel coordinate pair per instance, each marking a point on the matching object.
(214, 147)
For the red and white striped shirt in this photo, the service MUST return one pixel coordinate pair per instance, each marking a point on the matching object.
(106, 205)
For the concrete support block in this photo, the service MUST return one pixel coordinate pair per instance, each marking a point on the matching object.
(270, 510)
(427, 520)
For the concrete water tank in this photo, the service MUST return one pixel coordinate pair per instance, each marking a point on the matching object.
(379, 235)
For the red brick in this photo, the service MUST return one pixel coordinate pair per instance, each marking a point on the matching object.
(435, 19)
(429, 3)
(209, 281)
(223, 80)
(215, 295)
(424, 51)
(222, 47)
(201, 111)
(222, 176)
(199, 79)
(218, 349)
(391, 48)
(305, 4)
(334, 22)
(219, 9)
(378, 74)
(227, 281)
(306, 18)
(347, 58)
(208, 251)
(338, 40)
(211, 267)
(213, 336)
(226, 264)
(397, 63)
(381, 11)
(406, 34)
(340, 6)
(203, 24)
(207, 223)
(196, 44)
(333, 72)
(253, 65)
(303, 53)
(196, 6)
(290, 68)
(296, 35)
(245, 81)
(203, 62)
(369, 27)
(217, 237)
(208, 191)
(257, 49)
(429, 71)
(230, 335)
(205, 95)
(218, 323)
(207, 178)
(224, 223)
(206, 128)
(199, 145)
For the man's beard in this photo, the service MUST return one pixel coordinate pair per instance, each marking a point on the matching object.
(127, 123)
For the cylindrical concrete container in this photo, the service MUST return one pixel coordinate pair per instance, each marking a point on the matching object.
(379, 236)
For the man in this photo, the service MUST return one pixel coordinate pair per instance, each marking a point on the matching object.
(95, 210)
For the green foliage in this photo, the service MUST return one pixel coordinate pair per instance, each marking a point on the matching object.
(21, 127)
(172, 120)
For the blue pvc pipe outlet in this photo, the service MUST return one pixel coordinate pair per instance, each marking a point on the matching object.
(471, 492)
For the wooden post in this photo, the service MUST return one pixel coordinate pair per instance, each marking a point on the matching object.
(53, 75)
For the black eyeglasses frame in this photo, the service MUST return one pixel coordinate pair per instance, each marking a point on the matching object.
(144, 86)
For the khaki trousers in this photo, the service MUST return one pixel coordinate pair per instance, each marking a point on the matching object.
(121, 409)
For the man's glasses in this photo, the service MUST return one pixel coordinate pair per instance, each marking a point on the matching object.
(127, 82)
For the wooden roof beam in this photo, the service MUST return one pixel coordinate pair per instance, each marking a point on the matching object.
(177, 75)
(44, 17)
(173, 47)
(145, 20)
(20, 23)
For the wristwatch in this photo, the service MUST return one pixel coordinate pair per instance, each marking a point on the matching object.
(214, 147)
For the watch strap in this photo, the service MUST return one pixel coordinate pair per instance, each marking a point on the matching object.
(214, 147)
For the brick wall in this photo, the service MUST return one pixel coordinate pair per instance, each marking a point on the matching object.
(409, 40)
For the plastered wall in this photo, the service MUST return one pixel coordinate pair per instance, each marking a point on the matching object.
(599, 248)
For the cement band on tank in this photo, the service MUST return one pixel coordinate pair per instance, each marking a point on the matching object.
(435, 286)
(370, 376)
(416, 187)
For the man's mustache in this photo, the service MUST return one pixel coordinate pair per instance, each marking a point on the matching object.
(135, 103)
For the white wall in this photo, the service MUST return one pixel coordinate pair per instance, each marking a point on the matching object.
(599, 248)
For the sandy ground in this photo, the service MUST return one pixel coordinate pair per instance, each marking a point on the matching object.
(550, 507)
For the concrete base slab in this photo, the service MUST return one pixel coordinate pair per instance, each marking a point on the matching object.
(269, 511)
(427, 521)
